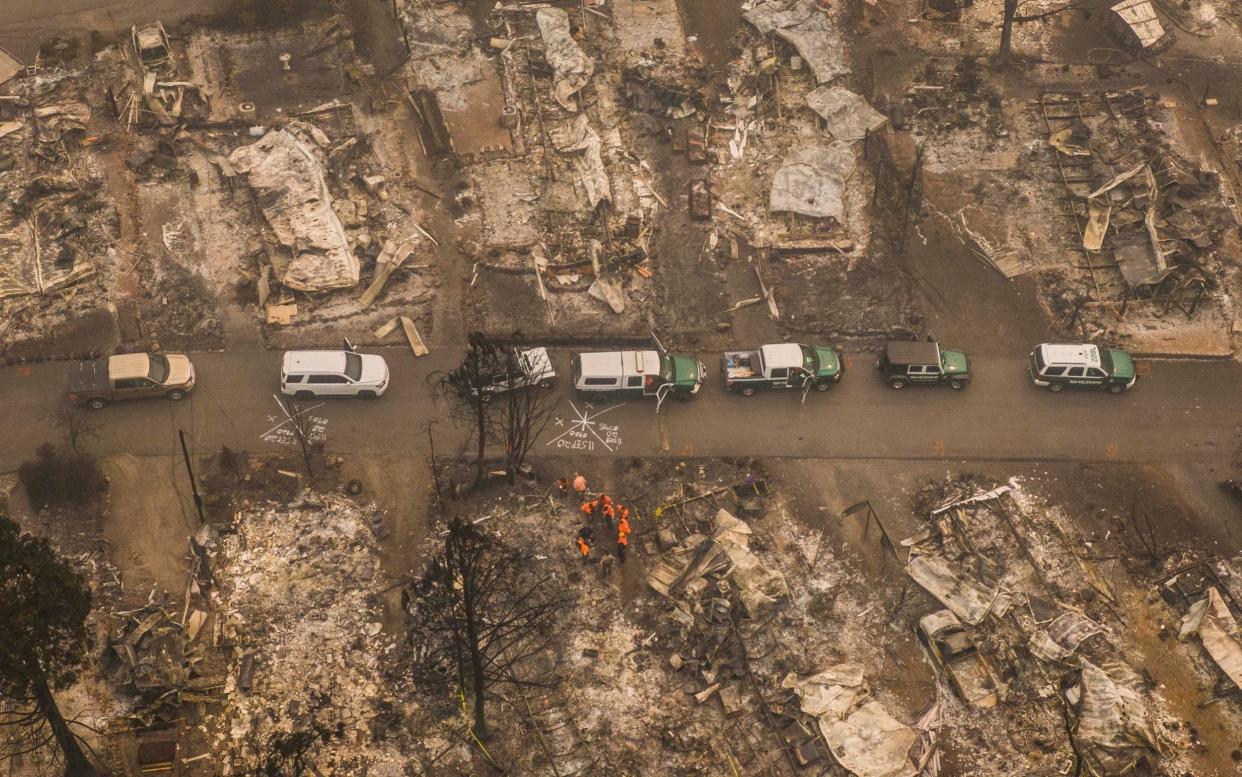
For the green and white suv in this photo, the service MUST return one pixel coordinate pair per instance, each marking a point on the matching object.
(1058, 366)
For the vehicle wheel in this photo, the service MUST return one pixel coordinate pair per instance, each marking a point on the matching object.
(175, 395)
(748, 391)
(304, 395)
(545, 384)
(1055, 387)
(682, 397)
(1116, 388)
(823, 386)
(366, 394)
(898, 384)
(97, 404)
(957, 385)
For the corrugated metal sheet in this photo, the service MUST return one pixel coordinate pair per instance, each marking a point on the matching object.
(1142, 19)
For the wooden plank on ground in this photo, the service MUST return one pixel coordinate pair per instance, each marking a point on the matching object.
(392, 257)
(386, 329)
(416, 341)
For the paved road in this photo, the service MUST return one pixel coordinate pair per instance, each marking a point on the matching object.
(24, 24)
(1179, 412)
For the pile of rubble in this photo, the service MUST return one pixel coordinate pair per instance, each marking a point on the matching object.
(1206, 593)
(1146, 228)
(751, 642)
(285, 169)
(1032, 651)
(159, 661)
(55, 222)
(266, 202)
(725, 664)
(334, 207)
(578, 204)
(722, 594)
(578, 208)
(1165, 224)
(1139, 209)
(307, 652)
(1009, 570)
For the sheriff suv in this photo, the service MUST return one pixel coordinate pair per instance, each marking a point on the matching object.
(906, 362)
(530, 368)
(1058, 366)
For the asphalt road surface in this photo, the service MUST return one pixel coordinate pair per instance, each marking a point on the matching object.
(1179, 412)
(24, 24)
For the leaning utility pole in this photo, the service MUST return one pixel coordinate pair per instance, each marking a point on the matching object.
(198, 499)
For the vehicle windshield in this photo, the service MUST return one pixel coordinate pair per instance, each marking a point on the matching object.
(666, 368)
(810, 359)
(353, 366)
(159, 368)
(1039, 360)
(1106, 360)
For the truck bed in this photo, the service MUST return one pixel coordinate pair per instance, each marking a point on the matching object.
(740, 365)
(89, 377)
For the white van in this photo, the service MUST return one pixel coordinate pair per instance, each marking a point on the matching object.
(307, 374)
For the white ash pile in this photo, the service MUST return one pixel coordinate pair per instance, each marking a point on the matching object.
(308, 653)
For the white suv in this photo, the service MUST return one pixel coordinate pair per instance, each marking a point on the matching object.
(306, 374)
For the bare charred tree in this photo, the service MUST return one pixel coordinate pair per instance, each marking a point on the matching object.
(478, 615)
(77, 427)
(1140, 523)
(43, 606)
(302, 425)
(523, 415)
(434, 463)
(464, 390)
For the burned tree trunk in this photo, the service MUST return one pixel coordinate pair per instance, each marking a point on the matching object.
(76, 762)
(45, 643)
(465, 390)
(527, 411)
(301, 425)
(1011, 10)
(478, 615)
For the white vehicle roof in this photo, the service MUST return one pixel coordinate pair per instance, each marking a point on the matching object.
(624, 363)
(129, 365)
(1070, 353)
(782, 355)
(296, 362)
(538, 360)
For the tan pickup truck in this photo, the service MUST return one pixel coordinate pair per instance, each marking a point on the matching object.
(131, 376)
